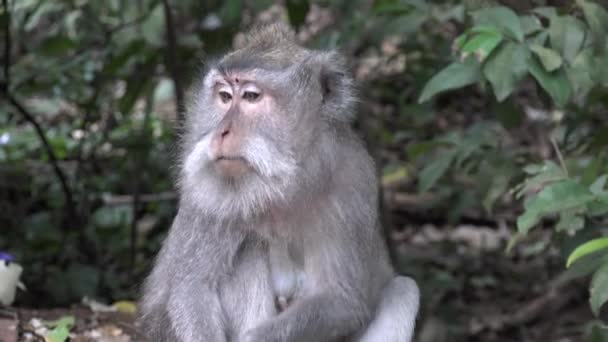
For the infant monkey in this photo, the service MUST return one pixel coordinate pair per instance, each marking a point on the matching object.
(277, 237)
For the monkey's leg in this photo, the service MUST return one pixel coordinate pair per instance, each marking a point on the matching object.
(396, 314)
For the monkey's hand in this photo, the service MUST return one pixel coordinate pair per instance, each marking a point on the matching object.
(322, 317)
(266, 332)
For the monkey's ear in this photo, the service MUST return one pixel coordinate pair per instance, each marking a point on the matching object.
(339, 94)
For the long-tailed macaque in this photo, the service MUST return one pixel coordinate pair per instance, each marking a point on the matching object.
(277, 236)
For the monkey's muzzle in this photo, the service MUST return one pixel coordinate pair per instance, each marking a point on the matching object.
(231, 167)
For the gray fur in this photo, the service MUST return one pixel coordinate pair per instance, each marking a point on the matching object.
(292, 250)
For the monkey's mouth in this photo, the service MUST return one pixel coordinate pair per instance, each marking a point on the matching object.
(231, 166)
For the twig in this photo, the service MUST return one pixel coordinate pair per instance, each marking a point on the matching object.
(112, 200)
(67, 192)
(69, 199)
(559, 156)
(7, 46)
(170, 61)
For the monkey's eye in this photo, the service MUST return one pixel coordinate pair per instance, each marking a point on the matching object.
(225, 96)
(251, 96)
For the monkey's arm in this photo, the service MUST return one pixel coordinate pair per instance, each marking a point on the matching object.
(321, 317)
(180, 301)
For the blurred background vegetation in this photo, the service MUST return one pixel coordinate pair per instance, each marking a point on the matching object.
(488, 187)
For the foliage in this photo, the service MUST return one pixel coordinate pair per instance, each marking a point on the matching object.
(566, 55)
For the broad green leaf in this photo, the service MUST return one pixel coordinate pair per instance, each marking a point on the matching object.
(597, 18)
(502, 17)
(550, 59)
(539, 38)
(567, 35)
(153, 27)
(59, 334)
(530, 24)
(555, 197)
(599, 207)
(560, 196)
(546, 12)
(58, 45)
(555, 83)
(482, 44)
(498, 187)
(65, 321)
(456, 75)
(597, 187)
(569, 222)
(584, 266)
(112, 216)
(460, 40)
(599, 289)
(434, 170)
(526, 221)
(581, 74)
(586, 249)
(505, 68)
(60, 329)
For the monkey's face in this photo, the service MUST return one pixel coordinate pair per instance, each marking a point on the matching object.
(244, 142)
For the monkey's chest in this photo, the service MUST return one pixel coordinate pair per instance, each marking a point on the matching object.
(263, 283)
(287, 275)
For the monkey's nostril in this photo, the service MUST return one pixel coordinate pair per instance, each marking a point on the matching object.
(225, 132)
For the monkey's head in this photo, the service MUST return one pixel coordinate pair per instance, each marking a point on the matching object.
(257, 123)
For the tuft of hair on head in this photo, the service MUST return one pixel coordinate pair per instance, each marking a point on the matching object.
(267, 36)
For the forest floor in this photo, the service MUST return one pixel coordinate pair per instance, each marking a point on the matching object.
(472, 290)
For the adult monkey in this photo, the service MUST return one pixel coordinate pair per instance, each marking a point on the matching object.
(277, 236)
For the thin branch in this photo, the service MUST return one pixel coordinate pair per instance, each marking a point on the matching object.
(170, 61)
(113, 200)
(69, 198)
(7, 47)
(559, 156)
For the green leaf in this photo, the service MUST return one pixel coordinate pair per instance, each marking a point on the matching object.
(482, 44)
(153, 27)
(554, 83)
(456, 75)
(586, 249)
(59, 334)
(530, 24)
(550, 59)
(58, 45)
(526, 221)
(112, 216)
(434, 170)
(569, 222)
(597, 18)
(501, 17)
(505, 68)
(567, 35)
(546, 12)
(65, 321)
(60, 329)
(581, 75)
(599, 289)
(555, 197)
(597, 187)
